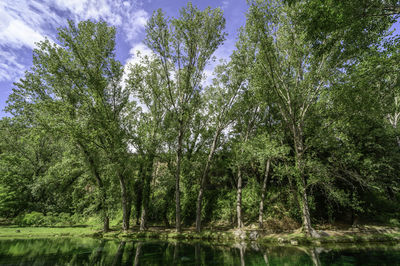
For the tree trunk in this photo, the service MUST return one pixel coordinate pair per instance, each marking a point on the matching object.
(148, 173)
(264, 188)
(106, 224)
(305, 208)
(239, 199)
(138, 253)
(177, 178)
(176, 253)
(239, 185)
(306, 213)
(119, 254)
(301, 182)
(125, 204)
(103, 194)
(203, 180)
(265, 256)
(165, 211)
(315, 257)
(197, 253)
(143, 219)
(242, 253)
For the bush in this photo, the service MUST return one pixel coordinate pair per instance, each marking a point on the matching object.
(225, 207)
(51, 219)
(33, 219)
(394, 222)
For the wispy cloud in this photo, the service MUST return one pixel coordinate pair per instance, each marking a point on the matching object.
(10, 68)
(24, 22)
(137, 51)
(225, 4)
(222, 54)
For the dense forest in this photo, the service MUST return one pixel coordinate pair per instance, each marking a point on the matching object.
(299, 127)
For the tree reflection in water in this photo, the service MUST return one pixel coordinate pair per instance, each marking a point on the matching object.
(65, 251)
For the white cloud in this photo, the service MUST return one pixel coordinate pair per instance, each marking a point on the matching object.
(126, 14)
(137, 51)
(17, 34)
(8, 61)
(221, 54)
(24, 22)
(136, 22)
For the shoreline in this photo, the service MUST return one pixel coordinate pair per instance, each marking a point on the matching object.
(366, 234)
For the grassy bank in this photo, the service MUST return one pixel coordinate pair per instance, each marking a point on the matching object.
(353, 235)
(43, 232)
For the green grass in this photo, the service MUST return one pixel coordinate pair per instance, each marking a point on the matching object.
(16, 232)
(221, 236)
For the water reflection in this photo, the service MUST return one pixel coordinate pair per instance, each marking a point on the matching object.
(118, 255)
(137, 253)
(65, 251)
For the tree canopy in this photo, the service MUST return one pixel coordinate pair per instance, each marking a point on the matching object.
(300, 124)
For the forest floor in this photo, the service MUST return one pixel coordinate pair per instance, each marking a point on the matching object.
(359, 234)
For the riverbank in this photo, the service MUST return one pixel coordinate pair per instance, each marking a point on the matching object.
(361, 234)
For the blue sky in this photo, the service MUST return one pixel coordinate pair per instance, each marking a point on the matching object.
(24, 22)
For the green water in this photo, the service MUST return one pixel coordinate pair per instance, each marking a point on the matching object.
(64, 251)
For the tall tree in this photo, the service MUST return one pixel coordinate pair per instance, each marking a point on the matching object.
(289, 68)
(76, 88)
(146, 85)
(184, 46)
(221, 98)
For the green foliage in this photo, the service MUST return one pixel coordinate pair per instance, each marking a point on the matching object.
(305, 112)
(50, 219)
(225, 207)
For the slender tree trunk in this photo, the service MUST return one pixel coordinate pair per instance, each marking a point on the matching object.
(305, 208)
(177, 181)
(301, 182)
(176, 253)
(106, 224)
(106, 219)
(197, 251)
(306, 212)
(239, 199)
(315, 257)
(165, 212)
(265, 256)
(148, 173)
(239, 186)
(103, 194)
(125, 204)
(138, 199)
(264, 188)
(119, 254)
(137, 253)
(143, 219)
(242, 253)
(203, 180)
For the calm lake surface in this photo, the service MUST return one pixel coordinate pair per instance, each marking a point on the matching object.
(65, 251)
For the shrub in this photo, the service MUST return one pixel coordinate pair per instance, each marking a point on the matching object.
(394, 222)
(51, 219)
(33, 219)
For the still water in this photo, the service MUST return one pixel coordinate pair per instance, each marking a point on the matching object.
(65, 251)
